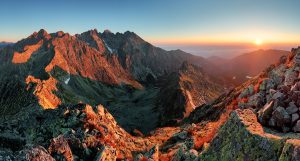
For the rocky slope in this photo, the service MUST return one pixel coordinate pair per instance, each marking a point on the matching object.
(186, 89)
(146, 61)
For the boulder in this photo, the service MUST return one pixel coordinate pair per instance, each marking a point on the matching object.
(281, 116)
(295, 117)
(278, 95)
(266, 112)
(297, 59)
(247, 92)
(255, 100)
(290, 77)
(296, 128)
(266, 85)
(292, 108)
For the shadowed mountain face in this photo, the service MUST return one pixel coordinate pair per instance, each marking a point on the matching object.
(186, 89)
(245, 66)
(105, 96)
(143, 59)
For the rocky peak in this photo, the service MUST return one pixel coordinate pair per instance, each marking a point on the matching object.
(41, 34)
(93, 39)
(107, 31)
(93, 32)
(59, 34)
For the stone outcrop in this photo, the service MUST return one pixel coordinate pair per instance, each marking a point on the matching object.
(243, 138)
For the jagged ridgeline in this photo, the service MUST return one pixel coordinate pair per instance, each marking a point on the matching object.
(107, 96)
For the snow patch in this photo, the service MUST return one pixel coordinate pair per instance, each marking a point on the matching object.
(191, 99)
(109, 49)
(67, 80)
(248, 77)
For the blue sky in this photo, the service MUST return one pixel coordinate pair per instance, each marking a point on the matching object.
(158, 21)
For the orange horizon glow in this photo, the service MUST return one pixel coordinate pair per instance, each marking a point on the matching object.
(258, 42)
(246, 37)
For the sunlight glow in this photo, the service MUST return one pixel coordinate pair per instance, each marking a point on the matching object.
(258, 42)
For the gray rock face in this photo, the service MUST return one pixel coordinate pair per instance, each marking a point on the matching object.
(297, 126)
(290, 77)
(295, 117)
(297, 59)
(277, 95)
(281, 116)
(292, 108)
(256, 100)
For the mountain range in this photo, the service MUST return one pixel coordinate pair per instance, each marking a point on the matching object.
(114, 96)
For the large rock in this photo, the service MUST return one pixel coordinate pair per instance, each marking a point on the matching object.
(292, 108)
(265, 113)
(295, 117)
(277, 95)
(290, 77)
(297, 126)
(297, 59)
(255, 101)
(243, 138)
(281, 116)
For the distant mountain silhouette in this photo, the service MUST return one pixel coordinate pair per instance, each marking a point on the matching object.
(247, 65)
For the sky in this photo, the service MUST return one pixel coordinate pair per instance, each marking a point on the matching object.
(167, 23)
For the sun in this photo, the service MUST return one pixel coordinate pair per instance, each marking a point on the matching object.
(257, 42)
